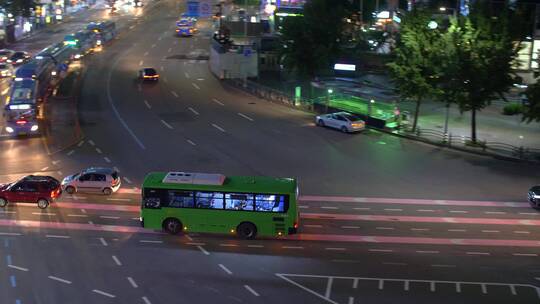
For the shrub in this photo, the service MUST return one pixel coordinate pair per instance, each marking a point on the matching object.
(513, 109)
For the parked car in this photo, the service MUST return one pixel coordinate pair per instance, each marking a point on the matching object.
(18, 58)
(343, 121)
(42, 190)
(148, 74)
(6, 70)
(101, 180)
(5, 54)
(534, 196)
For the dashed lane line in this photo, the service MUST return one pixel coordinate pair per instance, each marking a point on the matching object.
(443, 266)
(91, 142)
(145, 299)
(141, 63)
(203, 250)
(255, 246)
(98, 150)
(312, 226)
(70, 152)
(132, 282)
(381, 250)
(107, 159)
(191, 142)
(525, 254)
(253, 292)
(393, 209)
(108, 217)
(103, 241)
(218, 102)
(54, 236)
(292, 247)
(44, 168)
(145, 54)
(150, 241)
(147, 104)
(478, 253)
(218, 127)
(329, 207)
(228, 245)
(245, 116)
(128, 180)
(77, 215)
(44, 213)
(193, 111)
(186, 74)
(522, 232)
(80, 143)
(18, 268)
(195, 86)
(174, 94)
(59, 279)
(427, 251)
(225, 269)
(10, 233)
(103, 293)
(119, 199)
(335, 248)
(116, 260)
(166, 124)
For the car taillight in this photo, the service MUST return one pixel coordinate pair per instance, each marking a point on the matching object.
(21, 122)
(295, 225)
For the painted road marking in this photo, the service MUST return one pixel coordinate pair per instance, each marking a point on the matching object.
(145, 299)
(54, 236)
(174, 94)
(329, 207)
(18, 268)
(119, 199)
(228, 245)
(44, 213)
(116, 260)
(193, 110)
(218, 102)
(335, 248)
(404, 201)
(145, 54)
(109, 217)
(103, 242)
(457, 230)
(255, 246)
(166, 124)
(292, 247)
(153, 45)
(80, 143)
(218, 127)
(381, 250)
(147, 104)
(350, 227)
(150, 241)
(191, 142)
(44, 168)
(312, 226)
(525, 254)
(98, 150)
(141, 63)
(59, 279)
(169, 50)
(203, 250)
(420, 229)
(132, 282)
(385, 228)
(70, 152)
(10, 233)
(253, 292)
(245, 116)
(362, 208)
(392, 209)
(103, 293)
(522, 232)
(127, 180)
(186, 74)
(225, 269)
(427, 251)
(107, 159)
(478, 253)
(195, 86)
(91, 142)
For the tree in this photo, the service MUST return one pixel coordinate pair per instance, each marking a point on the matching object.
(312, 41)
(18, 7)
(531, 110)
(413, 69)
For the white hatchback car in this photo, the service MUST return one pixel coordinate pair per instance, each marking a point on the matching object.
(343, 121)
(102, 180)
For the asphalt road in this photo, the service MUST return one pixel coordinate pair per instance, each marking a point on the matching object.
(383, 220)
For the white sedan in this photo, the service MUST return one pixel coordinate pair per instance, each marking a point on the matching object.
(343, 121)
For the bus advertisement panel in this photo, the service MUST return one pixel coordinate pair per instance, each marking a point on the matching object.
(247, 206)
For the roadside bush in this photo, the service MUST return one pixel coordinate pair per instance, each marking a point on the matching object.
(512, 109)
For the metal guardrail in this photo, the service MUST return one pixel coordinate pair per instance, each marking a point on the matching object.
(423, 134)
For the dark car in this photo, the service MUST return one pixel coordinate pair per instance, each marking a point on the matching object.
(18, 58)
(5, 54)
(534, 196)
(148, 74)
(42, 190)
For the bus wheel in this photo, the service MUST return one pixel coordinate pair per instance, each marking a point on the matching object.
(246, 231)
(172, 226)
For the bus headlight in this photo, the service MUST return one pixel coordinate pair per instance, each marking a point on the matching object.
(9, 129)
(34, 128)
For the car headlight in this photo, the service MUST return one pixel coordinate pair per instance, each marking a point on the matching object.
(19, 60)
(9, 129)
(536, 196)
(34, 128)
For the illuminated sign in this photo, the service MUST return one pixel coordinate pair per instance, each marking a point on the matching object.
(344, 67)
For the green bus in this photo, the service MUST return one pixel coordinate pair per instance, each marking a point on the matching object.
(214, 203)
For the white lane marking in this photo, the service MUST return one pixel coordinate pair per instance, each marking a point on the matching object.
(174, 94)
(80, 143)
(159, 38)
(10, 233)
(169, 50)
(186, 74)
(255, 246)
(103, 293)
(145, 54)
(150, 241)
(193, 110)
(146, 301)
(109, 217)
(393, 209)
(70, 152)
(139, 87)
(132, 282)
(312, 226)
(77, 215)
(494, 212)
(54, 236)
(195, 86)
(251, 119)
(303, 207)
(329, 207)
(59, 279)
(458, 211)
(119, 199)
(128, 180)
(381, 250)
(442, 266)
(55, 162)
(228, 245)
(253, 292)
(196, 244)
(44, 213)
(478, 253)
(225, 268)
(350, 227)
(522, 232)
(107, 159)
(427, 251)
(203, 250)
(141, 63)
(83, 210)
(98, 150)
(90, 222)
(218, 127)
(153, 45)
(166, 124)
(351, 300)
(335, 248)
(218, 102)
(292, 247)
(362, 208)
(200, 79)
(116, 260)
(103, 242)
(395, 263)
(525, 254)
(116, 169)
(165, 79)
(420, 229)
(7, 212)
(381, 284)
(529, 213)
(147, 104)
(4, 91)
(425, 210)
(161, 68)
(44, 168)
(491, 231)
(17, 267)
(91, 142)
(191, 142)
(385, 228)
(457, 230)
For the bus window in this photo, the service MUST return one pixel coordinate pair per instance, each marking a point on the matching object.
(270, 203)
(239, 201)
(209, 200)
(154, 198)
(181, 199)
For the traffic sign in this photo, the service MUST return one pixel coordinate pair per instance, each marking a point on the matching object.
(205, 8)
(193, 8)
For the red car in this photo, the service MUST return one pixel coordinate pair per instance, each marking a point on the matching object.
(31, 189)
